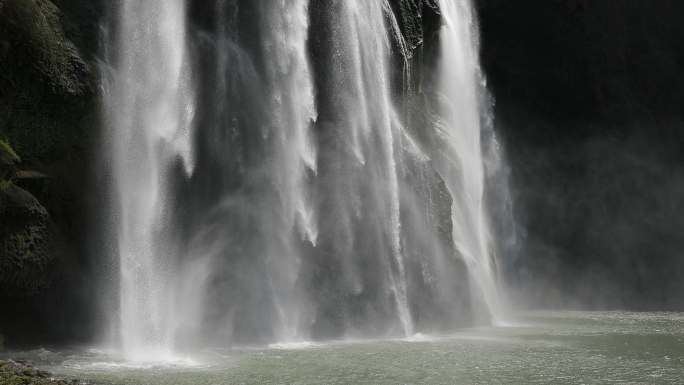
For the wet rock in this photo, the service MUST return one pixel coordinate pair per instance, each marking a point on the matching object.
(49, 112)
(418, 20)
(23, 373)
(34, 31)
(26, 243)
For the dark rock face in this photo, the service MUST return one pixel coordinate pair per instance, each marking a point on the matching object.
(414, 80)
(49, 114)
(45, 85)
(32, 30)
(27, 243)
(419, 20)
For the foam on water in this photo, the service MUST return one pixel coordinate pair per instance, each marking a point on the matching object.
(165, 364)
(294, 345)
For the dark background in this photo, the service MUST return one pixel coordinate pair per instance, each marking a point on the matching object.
(589, 102)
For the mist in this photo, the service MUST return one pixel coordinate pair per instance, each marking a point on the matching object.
(588, 106)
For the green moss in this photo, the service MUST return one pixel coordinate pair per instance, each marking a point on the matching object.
(8, 151)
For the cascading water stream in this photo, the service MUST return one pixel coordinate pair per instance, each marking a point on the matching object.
(292, 114)
(372, 64)
(149, 109)
(358, 185)
(461, 160)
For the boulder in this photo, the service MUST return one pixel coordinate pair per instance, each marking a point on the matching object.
(22, 372)
(27, 243)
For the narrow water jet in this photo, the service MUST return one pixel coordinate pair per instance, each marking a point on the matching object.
(291, 218)
(461, 161)
(149, 111)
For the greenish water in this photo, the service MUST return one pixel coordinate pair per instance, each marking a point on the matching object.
(543, 348)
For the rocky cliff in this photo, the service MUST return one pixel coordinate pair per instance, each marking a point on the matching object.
(48, 114)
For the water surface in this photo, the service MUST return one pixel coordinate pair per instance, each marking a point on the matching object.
(538, 348)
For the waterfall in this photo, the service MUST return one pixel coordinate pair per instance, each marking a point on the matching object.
(278, 194)
(292, 110)
(461, 160)
(358, 187)
(149, 110)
